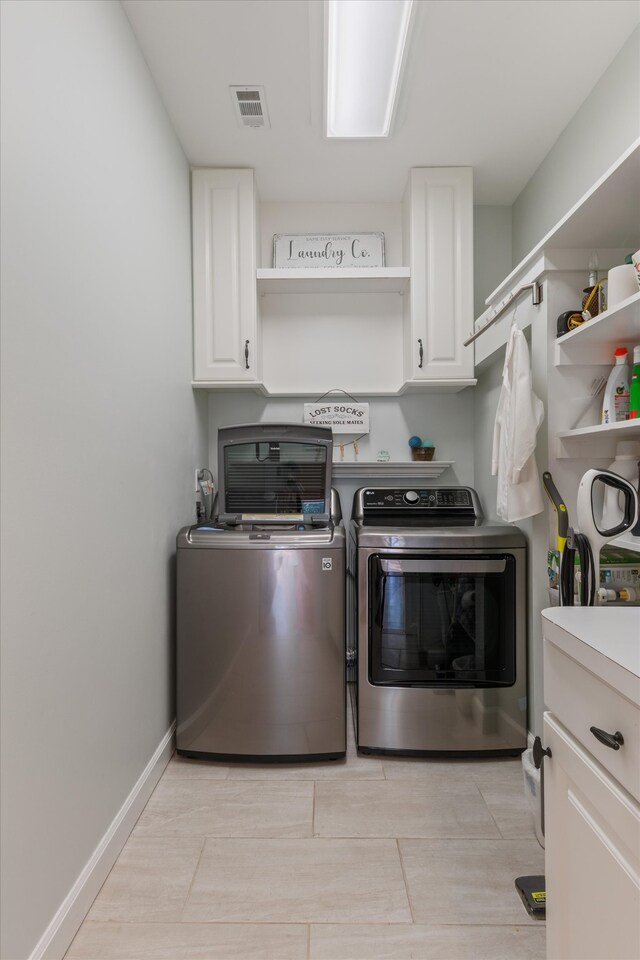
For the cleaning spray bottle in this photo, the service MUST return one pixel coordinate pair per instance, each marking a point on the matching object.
(615, 406)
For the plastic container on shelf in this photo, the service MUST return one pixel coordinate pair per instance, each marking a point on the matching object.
(533, 793)
(634, 386)
(625, 465)
(615, 406)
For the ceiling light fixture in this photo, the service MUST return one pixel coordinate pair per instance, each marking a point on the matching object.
(365, 49)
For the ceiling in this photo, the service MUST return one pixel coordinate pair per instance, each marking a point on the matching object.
(489, 84)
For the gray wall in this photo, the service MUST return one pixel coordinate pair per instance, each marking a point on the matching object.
(492, 250)
(605, 125)
(101, 434)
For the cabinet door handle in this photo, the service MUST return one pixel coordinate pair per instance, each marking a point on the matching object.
(246, 354)
(613, 740)
(420, 354)
(539, 753)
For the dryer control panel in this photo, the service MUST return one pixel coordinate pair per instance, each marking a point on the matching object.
(416, 505)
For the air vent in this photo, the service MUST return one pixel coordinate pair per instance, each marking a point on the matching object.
(250, 106)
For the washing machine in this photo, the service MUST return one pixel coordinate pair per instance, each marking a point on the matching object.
(261, 604)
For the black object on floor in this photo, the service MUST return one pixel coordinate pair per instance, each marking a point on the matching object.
(533, 892)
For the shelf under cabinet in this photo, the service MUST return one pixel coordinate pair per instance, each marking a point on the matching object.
(412, 386)
(333, 280)
(595, 340)
(412, 470)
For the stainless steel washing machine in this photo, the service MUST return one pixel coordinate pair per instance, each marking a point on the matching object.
(260, 604)
(441, 624)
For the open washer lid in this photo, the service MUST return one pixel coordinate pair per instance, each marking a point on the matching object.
(275, 472)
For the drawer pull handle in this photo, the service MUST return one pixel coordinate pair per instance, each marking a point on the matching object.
(539, 753)
(420, 354)
(613, 740)
(246, 354)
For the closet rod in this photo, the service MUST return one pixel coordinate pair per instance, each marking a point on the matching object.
(536, 298)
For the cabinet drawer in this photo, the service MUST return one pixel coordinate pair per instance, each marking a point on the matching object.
(580, 700)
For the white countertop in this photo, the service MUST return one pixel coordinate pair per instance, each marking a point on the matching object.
(606, 640)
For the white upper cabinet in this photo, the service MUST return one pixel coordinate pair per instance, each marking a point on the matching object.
(439, 237)
(297, 332)
(225, 346)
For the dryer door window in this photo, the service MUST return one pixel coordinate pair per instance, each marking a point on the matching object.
(442, 622)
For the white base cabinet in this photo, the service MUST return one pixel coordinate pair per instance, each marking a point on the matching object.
(592, 852)
(592, 782)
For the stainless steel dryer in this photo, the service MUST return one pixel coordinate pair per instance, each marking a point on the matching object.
(441, 624)
(260, 604)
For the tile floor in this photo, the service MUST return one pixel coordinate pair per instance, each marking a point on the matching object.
(364, 859)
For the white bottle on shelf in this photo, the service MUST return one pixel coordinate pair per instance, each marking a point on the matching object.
(615, 406)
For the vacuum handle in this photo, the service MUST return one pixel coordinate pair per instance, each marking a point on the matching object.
(559, 506)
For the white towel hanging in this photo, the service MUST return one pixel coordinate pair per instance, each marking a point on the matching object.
(518, 418)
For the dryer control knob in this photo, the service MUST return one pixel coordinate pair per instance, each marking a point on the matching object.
(411, 496)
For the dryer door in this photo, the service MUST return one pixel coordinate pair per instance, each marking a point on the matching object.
(442, 621)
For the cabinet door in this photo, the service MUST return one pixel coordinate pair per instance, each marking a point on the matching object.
(224, 276)
(439, 211)
(592, 852)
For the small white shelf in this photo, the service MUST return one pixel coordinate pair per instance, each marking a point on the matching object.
(630, 428)
(333, 280)
(412, 470)
(628, 542)
(597, 442)
(594, 341)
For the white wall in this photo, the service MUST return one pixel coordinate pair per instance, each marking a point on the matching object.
(101, 433)
(606, 124)
(446, 419)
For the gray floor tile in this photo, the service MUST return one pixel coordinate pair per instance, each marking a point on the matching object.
(209, 808)
(469, 881)
(353, 768)
(396, 808)
(509, 808)
(149, 881)
(190, 941)
(421, 942)
(298, 881)
(437, 772)
(183, 768)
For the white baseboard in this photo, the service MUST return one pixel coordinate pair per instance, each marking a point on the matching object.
(56, 939)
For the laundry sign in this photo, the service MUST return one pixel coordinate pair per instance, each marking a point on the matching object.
(348, 417)
(328, 250)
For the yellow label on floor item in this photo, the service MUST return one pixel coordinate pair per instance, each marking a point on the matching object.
(540, 896)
